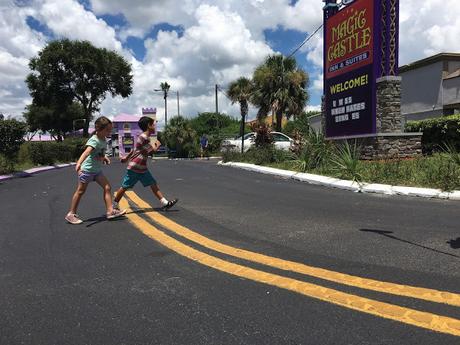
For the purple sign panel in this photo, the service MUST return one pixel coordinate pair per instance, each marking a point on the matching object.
(351, 53)
(349, 103)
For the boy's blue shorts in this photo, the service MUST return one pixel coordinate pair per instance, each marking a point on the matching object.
(131, 178)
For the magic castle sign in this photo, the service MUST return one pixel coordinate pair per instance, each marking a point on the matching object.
(358, 39)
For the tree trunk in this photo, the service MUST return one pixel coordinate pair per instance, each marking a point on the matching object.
(86, 126)
(279, 120)
(242, 133)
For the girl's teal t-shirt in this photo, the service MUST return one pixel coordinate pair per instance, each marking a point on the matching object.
(93, 163)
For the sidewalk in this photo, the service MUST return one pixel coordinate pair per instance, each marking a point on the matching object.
(348, 185)
(33, 171)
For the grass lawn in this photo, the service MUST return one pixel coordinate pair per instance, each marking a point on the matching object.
(437, 171)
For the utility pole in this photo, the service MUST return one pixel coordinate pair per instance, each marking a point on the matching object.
(217, 103)
(178, 112)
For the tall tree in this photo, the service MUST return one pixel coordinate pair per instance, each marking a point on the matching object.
(280, 86)
(165, 88)
(56, 120)
(67, 71)
(240, 91)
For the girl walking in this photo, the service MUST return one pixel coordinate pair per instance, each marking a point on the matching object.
(89, 169)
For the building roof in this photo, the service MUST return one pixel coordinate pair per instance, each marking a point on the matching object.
(126, 118)
(430, 60)
(453, 75)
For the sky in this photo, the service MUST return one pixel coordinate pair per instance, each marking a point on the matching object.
(195, 44)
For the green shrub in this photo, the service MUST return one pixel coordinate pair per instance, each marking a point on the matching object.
(76, 146)
(231, 156)
(260, 155)
(24, 153)
(50, 152)
(6, 166)
(345, 161)
(283, 156)
(11, 137)
(436, 132)
(42, 153)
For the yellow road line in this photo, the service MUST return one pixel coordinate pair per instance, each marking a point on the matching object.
(413, 317)
(364, 283)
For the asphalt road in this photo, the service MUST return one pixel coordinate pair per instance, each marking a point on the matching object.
(139, 281)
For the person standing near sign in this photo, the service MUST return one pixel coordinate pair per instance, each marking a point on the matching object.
(204, 146)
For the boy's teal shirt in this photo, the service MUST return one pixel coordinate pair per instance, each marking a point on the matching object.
(93, 163)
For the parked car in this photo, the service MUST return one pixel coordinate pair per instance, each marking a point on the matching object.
(281, 141)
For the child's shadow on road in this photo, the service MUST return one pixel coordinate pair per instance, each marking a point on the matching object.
(96, 220)
(454, 243)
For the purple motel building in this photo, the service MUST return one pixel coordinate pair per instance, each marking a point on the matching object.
(126, 130)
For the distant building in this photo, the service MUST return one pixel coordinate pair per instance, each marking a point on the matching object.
(269, 120)
(126, 130)
(431, 87)
(39, 137)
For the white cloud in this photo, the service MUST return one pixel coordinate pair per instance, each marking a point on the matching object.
(428, 27)
(67, 18)
(217, 50)
(18, 45)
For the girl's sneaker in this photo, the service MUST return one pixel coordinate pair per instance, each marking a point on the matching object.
(115, 213)
(73, 218)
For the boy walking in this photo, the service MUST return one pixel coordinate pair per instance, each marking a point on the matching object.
(137, 165)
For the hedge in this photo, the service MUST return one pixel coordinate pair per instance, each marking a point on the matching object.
(437, 132)
(48, 153)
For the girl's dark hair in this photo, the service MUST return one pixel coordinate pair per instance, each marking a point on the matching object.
(101, 123)
(144, 122)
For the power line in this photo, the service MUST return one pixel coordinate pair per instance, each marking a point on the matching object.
(305, 41)
(223, 91)
(295, 50)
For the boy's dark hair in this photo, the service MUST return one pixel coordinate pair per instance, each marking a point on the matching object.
(144, 122)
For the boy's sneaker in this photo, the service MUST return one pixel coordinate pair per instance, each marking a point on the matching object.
(115, 206)
(73, 218)
(115, 213)
(170, 204)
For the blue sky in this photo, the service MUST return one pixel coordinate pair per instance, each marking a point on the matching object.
(196, 45)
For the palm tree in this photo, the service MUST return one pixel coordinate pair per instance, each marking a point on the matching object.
(240, 91)
(165, 88)
(180, 135)
(280, 86)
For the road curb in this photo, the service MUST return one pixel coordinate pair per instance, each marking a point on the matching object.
(185, 159)
(33, 171)
(375, 188)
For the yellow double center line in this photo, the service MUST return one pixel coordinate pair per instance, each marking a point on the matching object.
(406, 315)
